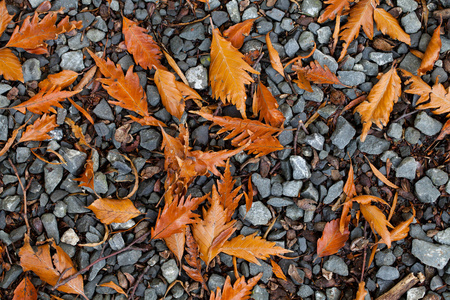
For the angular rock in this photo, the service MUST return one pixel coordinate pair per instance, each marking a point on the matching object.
(336, 265)
(407, 168)
(170, 270)
(197, 77)
(426, 191)
(426, 124)
(373, 145)
(432, 255)
(343, 133)
(300, 167)
(258, 214)
(262, 184)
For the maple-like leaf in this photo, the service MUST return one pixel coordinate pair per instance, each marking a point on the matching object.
(87, 177)
(209, 161)
(39, 130)
(239, 291)
(48, 270)
(267, 106)
(171, 97)
(389, 25)
(43, 101)
(175, 217)
(5, 17)
(78, 132)
(236, 34)
(380, 102)
(228, 73)
(114, 286)
(144, 49)
(25, 290)
(10, 66)
(334, 8)
(114, 210)
(275, 60)
(251, 248)
(125, 89)
(361, 294)
(361, 15)
(62, 80)
(377, 221)
(194, 271)
(332, 239)
(431, 54)
(301, 79)
(277, 270)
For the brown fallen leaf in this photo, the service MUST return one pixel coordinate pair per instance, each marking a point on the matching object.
(114, 210)
(114, 286)
(38, 131)
(277, 270)
(267, 106)
(62, 80)
(431, 54)
(334, 8)
(377, 221)
(332, 239)
(237, 33)
(25, 290)
(389, 25)
(239, 291)
(361, 294)
(171, 97)
(275, 60)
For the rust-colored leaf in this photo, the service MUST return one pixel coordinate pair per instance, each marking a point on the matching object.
(194, 271)
(62, 80)
(389, 25)
(78, 132)
(249, 196)
(5, 17)
(87, 178)
(349, 187)
(144, 49)
(378, 105)
(229, 197)
(332, 239)
(171, 97)
(277, 270)
(114, 210)
(39, 130)
(11, 140)
(334, 8)
(176, 243)
(275, 60)
(380, 176)
(401, 230)
(377, 221)
(10, 66)
(301, 80)
(251, 248)
(147, 121)
(228, 73)
(239, 291)
(361, 293)
(114, 286)
(267, 106)
(175, 67)
(25, 290)
(321, 75)
(236, 34)
(431, 54)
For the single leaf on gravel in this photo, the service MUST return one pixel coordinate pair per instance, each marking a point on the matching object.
(87, 177)
(267, 106)
(431, 54)
(114, 286)
(5, 17)
(175, 217)
(194, 271)
(175, 67)
(275, 60)
(361, 15)
(39, 130)
(114, 210)
(361, 293)
(252, 248)
(321, 75)
(62, 80)
(48, 270)
(380, 102)
(11, 140)
(301, 79)
(144, 49)
(332, 239)
(171, 97)
(78, 132)
(239, 291)
(334, 8)
(389, 25)
(10, 66)
(377, 221)
(277, 270)
(350, 192)
(236, 34)
(380, 176)
(25, 290)
(127, 90)
(228, 73)
(43, 101)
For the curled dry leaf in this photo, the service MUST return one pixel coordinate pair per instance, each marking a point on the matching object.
(275, 60)
(114, 210)
(401, 230)
(431, 54)
(239, 291)
(267, 106)
(122, 134)
(25, 290)
(334, 8)
(377, 221)
(62, 80)
(380, 176)
(114, 286)
(87, 177)
(332, 239)
(171, 97)
(194, 271)
(277, 270)
(78, 132)
(39, 130)
(236, 34)
(389, 25)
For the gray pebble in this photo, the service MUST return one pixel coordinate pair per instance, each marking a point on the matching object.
(301, 169)
(407, 5)
(215, 281)
(443, 237)
(388, 273)
(262, 184)
(336, 265)
(75, 160)
(437, 176)
(381, 58)
(193, 32)
(333, 192)
(291, 47)
(279, 202)
(258, 214)
(426, 191)
(426, 124)
(128, 257)
(430, 254)
(11, 203)
(343, 133)
(73, 61)
(412, 135)
(95, 35)
(351, 78)
(411, 23)
(31, 69)
(292, 188)
(51, 226)
(306, 40)
(407, 168)
(197, 77)
(170, 270)
(233, 11)
(311, 7)
(317, 95)
(373, 145)
(150, 139)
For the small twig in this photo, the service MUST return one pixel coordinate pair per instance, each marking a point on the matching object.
(62, 274)
(137, 282)
(24, 190)
(400, 288)
(365, 255)
(406, 115)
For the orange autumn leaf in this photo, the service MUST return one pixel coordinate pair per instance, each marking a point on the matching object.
(114, 210)
(267, 106)
(78, 132)
(401, 230)
(11, 140)
(444, 131)
(277, 270)
(228, 196)
(171, 97)
(332, 239)
(320, 75)
(377, 221)
(361, 293)
(87, 177)
(334, 8)
(251, 248)
(236, 34)
(301, 79)
(62, 80)
(43, 101)
(39, 130)
(144, 49)
(194, 270)
(10, 66)
(361, 15)
(175, 217)
(349, 187)
(125, 89)
(275, 60)
(175, 67)
(380, 176)
(380, 102)
(147, 121)
(249, 196)
(389, 25)
(417, 86)
(25, 290)
(176, 243)
(431, 54)
(114, 286)
(5, 17)
(48, 270)
(240, 290)
(228, 73)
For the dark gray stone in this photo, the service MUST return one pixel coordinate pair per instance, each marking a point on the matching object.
(426, 191)
(258, 214)
(432, 255)
(51, 226)
(336, 265)
(373, 145)
(343, 133)
(150, 139)
(301, 169)
(75, 160)
(333, 192)
(193, 32)
(170, 270)
(407, 168)
(262, 184)
(437, 176)
(388, 273)
(31, 69)
(128, 257)
(426, 124)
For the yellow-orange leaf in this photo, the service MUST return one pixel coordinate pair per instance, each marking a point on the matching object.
(147, 121)
(228, 73)
(171, 97)
(48, 270)
(267, 106)
(380, 101)
(321, 75)
(361, 15)
(229, 197)
(277, 270)
(62, 80)
(389, 25)
(78, 132)
(349, 187)
(87, 178)
(361, 294)
(335, 7)
(251, 248)
(43, 101)
(377, 221)
(176, 243)
(236, 34)
(39, 130)
(332, 239)
(380, 176)
(301, 80)
(11, 140)
(25, 290)
(114, 210)
(274, 57)
(5, 17)
(144, 49)
(431, 54)
(417, 87)
(114, 286)
(175, 67)
(239, 291)
(401, 230)
(125, 89)
(206, 162)
(10, 66)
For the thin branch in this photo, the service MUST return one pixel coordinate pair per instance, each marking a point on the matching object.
(24, 190)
